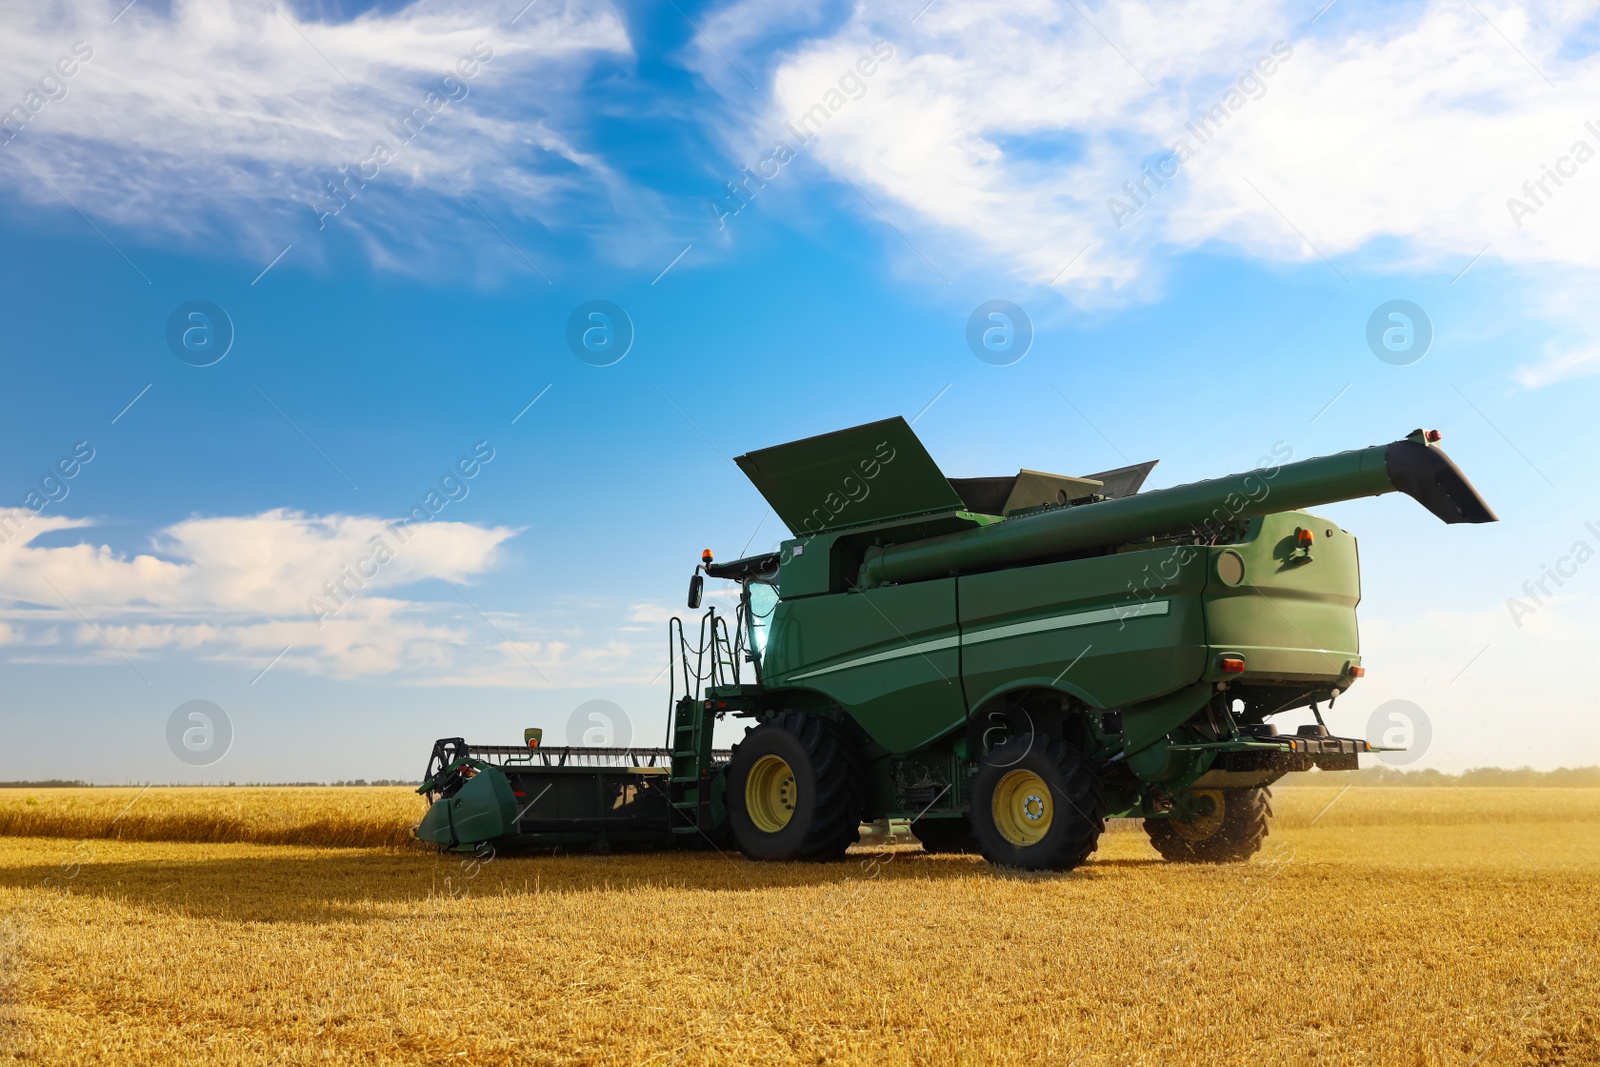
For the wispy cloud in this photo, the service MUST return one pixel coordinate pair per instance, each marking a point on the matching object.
(223, 121)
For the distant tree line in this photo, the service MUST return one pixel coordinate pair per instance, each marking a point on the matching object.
(1481, 777)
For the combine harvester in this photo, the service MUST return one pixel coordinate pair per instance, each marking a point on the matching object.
(1006, 662)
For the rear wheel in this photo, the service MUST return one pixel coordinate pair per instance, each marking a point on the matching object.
(1037, 804)
(945, 835)
(1229, 828)
(796, 790)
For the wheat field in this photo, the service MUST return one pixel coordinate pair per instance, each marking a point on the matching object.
(241, 926)
(346, 817)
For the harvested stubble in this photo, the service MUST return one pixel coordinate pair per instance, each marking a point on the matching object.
(1466, 939)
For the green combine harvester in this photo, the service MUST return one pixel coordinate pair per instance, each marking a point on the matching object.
(1005, 662)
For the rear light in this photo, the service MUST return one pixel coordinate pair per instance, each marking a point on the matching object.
(1232, 664)
(1358, 672)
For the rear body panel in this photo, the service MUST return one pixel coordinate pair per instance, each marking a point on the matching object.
(1292, 615)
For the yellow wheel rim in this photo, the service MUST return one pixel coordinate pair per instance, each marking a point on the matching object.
(1022, 808)
(1208, 822)
(770, 794)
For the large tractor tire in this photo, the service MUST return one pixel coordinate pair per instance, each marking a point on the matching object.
(796, 790)
(1037, 804)
(945, 835)
(1230, 828)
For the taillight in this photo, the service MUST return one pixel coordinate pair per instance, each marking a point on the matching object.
(1232, 664)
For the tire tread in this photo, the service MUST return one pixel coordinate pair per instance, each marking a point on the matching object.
(1247, 814)
(840, 783)
(1080, 807)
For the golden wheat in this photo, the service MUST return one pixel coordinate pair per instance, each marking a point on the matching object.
(1356, 937)
(349, 816)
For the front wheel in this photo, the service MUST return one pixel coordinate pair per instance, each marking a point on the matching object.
(796, 790)
(1229, 828)
(1037, 804)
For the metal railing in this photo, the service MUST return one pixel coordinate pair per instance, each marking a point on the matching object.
(516, 755)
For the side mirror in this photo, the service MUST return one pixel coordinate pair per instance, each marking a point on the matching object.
(697, 586)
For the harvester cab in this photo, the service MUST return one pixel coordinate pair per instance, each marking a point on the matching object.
(1006, 662)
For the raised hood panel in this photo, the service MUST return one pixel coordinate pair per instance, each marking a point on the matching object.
(867, 473)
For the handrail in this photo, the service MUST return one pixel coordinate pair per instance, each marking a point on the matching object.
(716, 658)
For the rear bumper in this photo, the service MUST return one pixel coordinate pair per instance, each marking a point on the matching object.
(1256, 761)
(1272, 665)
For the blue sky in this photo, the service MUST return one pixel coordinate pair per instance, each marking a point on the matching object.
(376, 346)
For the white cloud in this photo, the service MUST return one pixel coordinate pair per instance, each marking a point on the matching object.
(650, 613)
(267, 564)
(1570, 299)
(1559, 364)
(241, 589)
(224, 117)
(1001, 131)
